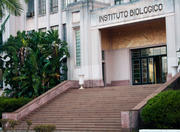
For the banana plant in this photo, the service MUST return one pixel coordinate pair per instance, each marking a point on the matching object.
(33, 63)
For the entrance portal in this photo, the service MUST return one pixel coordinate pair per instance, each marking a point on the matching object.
(149, 65)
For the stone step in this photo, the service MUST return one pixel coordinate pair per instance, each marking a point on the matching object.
(96, 109)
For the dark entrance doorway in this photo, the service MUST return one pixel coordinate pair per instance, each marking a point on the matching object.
(149, 65)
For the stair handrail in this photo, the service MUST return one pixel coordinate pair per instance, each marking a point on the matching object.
(129, 119)
(41, 100)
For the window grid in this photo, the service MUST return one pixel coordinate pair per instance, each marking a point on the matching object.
(118, 2)
(133, 0)
(42, 7)
(30, 12)
(78, 48)
(53, 6)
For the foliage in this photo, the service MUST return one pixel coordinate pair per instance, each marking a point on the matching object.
(12, 124)
(12, 6)
(4, 124)
(29, 123)
(44, 128)
(8, 124)
(33, 63)
(162, 111)
(11, 104)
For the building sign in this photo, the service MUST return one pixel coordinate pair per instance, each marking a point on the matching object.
(132, 11)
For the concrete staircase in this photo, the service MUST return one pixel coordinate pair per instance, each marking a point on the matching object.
(91, 109)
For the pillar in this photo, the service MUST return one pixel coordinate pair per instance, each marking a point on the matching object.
(60, 2)
(48, 14)
(36, 14)
(171, 45)
(96, 56)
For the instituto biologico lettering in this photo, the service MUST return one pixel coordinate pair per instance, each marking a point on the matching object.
(131, 13)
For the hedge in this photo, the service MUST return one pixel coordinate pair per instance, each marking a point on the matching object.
(11, 104)
(162, 111)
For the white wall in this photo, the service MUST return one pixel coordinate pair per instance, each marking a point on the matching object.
(117, 65)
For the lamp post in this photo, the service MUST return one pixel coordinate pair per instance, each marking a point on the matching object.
(81, 81)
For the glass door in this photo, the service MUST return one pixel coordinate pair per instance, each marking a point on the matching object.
(164, 68)
(144, 67)
(136, 71)
(151, 70)
(149, 65)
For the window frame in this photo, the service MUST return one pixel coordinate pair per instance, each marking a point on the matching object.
(42, 7)
(118, 2)
(53, 6)
(75, 47)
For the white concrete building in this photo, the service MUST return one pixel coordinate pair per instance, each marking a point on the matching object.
(111, 42)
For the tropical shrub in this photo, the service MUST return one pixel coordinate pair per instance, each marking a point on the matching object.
(45, 128)
(8, 124)
(34, 63)
(162, 111)
(11, 104)
(12, 124)
(29, 124)
(3, 123)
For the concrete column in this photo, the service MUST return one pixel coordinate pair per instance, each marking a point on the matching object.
(70, 35)
(96, 62)
(171, 45)
(36, 14)
(177, 20)
(60, 2)
(48, 14)
(85, 42)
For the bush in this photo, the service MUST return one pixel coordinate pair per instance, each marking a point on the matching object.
(162, 111)
(11, 104)
(44, 128)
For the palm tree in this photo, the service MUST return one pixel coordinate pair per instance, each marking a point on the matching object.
(12, 6)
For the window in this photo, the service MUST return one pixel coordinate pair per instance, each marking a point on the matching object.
(1, 74)
(54, 27)
(42, 7)
(1, 80)
(30, 31)
(42, 30)
(133, 0)
(30, 12)
(64, 32)
(67, 2)
(118, 2)
(78, 47)
(53, 6)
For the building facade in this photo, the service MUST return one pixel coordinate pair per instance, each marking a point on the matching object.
(111, 42)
